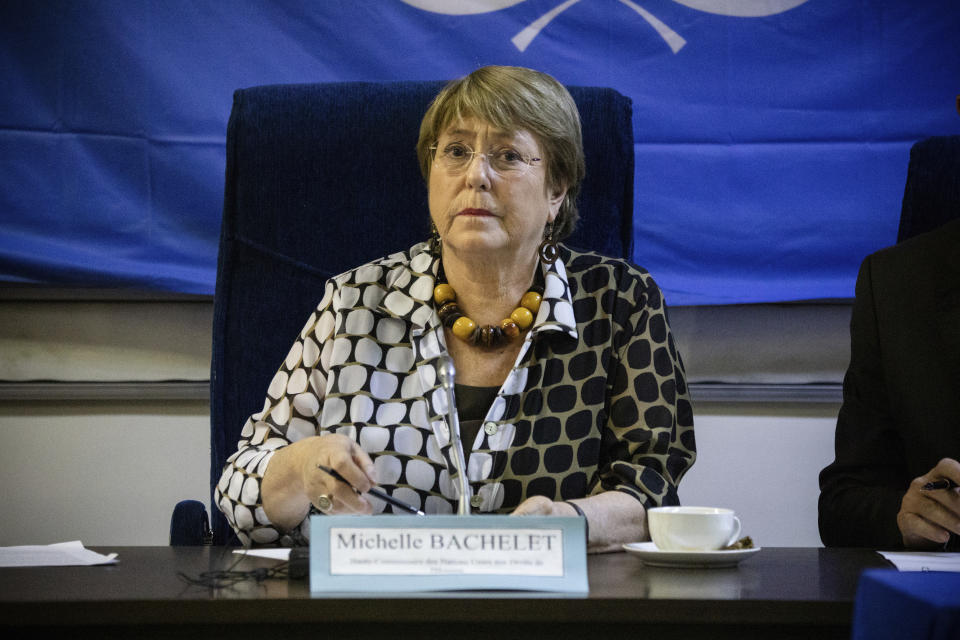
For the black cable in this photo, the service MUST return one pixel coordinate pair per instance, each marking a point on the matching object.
(222, 578)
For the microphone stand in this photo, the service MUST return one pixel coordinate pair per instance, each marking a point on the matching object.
(447, 374)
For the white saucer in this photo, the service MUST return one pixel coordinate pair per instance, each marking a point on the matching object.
(648, 552)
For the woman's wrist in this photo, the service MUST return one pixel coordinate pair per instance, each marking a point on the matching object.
(281, 489)
(586, 521)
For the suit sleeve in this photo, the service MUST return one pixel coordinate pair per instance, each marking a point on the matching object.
(861, 490)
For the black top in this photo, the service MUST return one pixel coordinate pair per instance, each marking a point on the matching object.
(472, 406)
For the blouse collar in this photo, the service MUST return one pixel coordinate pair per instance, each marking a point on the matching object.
(409, 293)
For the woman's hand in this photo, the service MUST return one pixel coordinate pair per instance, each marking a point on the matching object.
(927, 518)
(543, 506)
(294, 480)
(613, 518)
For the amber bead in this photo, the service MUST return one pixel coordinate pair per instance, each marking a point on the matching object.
(510, 328)
(443, 292)
(531, 300)
(483, 336)
(522, 317)
(449, 313)
(463, 328)
(489, 336)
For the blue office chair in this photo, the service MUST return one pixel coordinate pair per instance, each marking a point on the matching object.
(932, 195)
(322, 178)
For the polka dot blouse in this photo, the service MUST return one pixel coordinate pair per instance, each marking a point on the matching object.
(596, 400)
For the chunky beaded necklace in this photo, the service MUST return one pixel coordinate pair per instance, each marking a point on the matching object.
(489, 335)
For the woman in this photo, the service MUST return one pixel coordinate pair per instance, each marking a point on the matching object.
(571, 394)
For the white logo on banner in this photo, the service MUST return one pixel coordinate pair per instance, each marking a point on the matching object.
(735, 8)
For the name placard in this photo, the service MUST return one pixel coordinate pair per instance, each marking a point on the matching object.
(441, 553)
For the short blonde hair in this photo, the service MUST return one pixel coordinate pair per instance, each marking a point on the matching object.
(513, 98)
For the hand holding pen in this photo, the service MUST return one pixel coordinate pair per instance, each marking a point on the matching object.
(943, 483)
(374, 492)
(929, 516)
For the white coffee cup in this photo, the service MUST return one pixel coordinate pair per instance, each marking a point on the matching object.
(692, 528)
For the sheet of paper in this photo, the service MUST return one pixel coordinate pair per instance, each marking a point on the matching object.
(275, 554)
(61, 554)
(923, 560)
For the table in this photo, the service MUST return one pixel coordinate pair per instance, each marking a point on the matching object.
(776, 593)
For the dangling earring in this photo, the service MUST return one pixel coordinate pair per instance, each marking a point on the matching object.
(435, 242)
(548, 248)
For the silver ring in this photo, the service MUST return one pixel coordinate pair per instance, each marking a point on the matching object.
(324, 503)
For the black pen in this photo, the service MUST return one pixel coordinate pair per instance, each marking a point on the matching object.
(374, 492)
(940, 484)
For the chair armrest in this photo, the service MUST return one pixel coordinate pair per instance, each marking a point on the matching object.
(189, 524)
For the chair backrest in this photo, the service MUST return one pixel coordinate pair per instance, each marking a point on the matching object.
(932, 195)
(324, 177)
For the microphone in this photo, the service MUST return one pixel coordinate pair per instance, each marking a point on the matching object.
(447, 374)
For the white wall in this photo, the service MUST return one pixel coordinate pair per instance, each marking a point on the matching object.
(101, 465)
(108, 471)
(763, 462)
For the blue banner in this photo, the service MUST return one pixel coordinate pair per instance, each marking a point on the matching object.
(772, 136)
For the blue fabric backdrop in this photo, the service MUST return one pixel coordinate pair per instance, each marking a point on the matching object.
(771, 144)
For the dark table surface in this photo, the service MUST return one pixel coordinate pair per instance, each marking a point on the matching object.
(778, 592)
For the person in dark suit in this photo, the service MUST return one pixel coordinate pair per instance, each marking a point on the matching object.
(899, 427)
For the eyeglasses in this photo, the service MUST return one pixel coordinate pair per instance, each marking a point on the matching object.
(456, 157)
